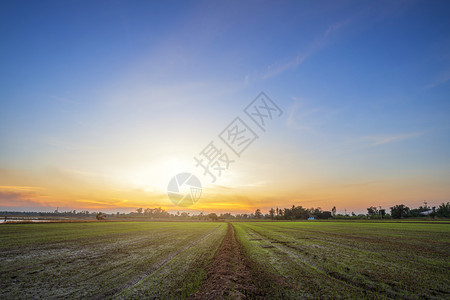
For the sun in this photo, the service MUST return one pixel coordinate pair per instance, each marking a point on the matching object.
(159, 173)
(150, 176)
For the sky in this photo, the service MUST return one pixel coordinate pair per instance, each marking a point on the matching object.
(102, 103)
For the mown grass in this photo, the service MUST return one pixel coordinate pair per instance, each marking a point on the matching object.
(356, 260)
(105, 260)
(169, 259)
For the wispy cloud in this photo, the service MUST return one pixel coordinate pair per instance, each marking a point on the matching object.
(327, 36)
(98, 203)
(441, 79)
(62, 99)
(280, 67)
(69, 146)
(301, 115)
(317, 44)
(336, 26)
(386, 139)
(20, 188)
(21, 196)
(297, 114)
(360, 184)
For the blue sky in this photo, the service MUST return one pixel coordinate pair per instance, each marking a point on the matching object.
(99, 98)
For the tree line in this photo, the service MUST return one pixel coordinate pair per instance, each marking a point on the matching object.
(293, 213)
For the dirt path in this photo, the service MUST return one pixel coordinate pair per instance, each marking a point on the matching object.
(229, 275)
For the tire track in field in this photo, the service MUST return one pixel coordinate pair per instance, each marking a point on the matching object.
(232, 275)
(228, 275)
(138, 280)
(284, 247)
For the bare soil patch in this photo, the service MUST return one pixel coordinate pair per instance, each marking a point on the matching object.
(232, 276)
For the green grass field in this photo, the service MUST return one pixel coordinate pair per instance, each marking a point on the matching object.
(318, 259)
(172, 259)
(97, 260)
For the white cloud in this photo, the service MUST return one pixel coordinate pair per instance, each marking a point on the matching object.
(317, 44)
(443, 78)
(296, 115)
(386, 139)
(277, 68)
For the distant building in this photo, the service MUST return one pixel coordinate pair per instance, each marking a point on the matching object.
(426, 213)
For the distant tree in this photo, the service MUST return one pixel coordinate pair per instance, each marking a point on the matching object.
(372, 211)
(316, 212)
(324, 215)
(213, 217)
(287, 213)
(160, 213)
(298, 212)
(416, 212)
(100, 216)
(139, 210)
(399, 211)
(272, 213)
(258, 214)
(333, 211)
(226, 216)
(443, 210)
